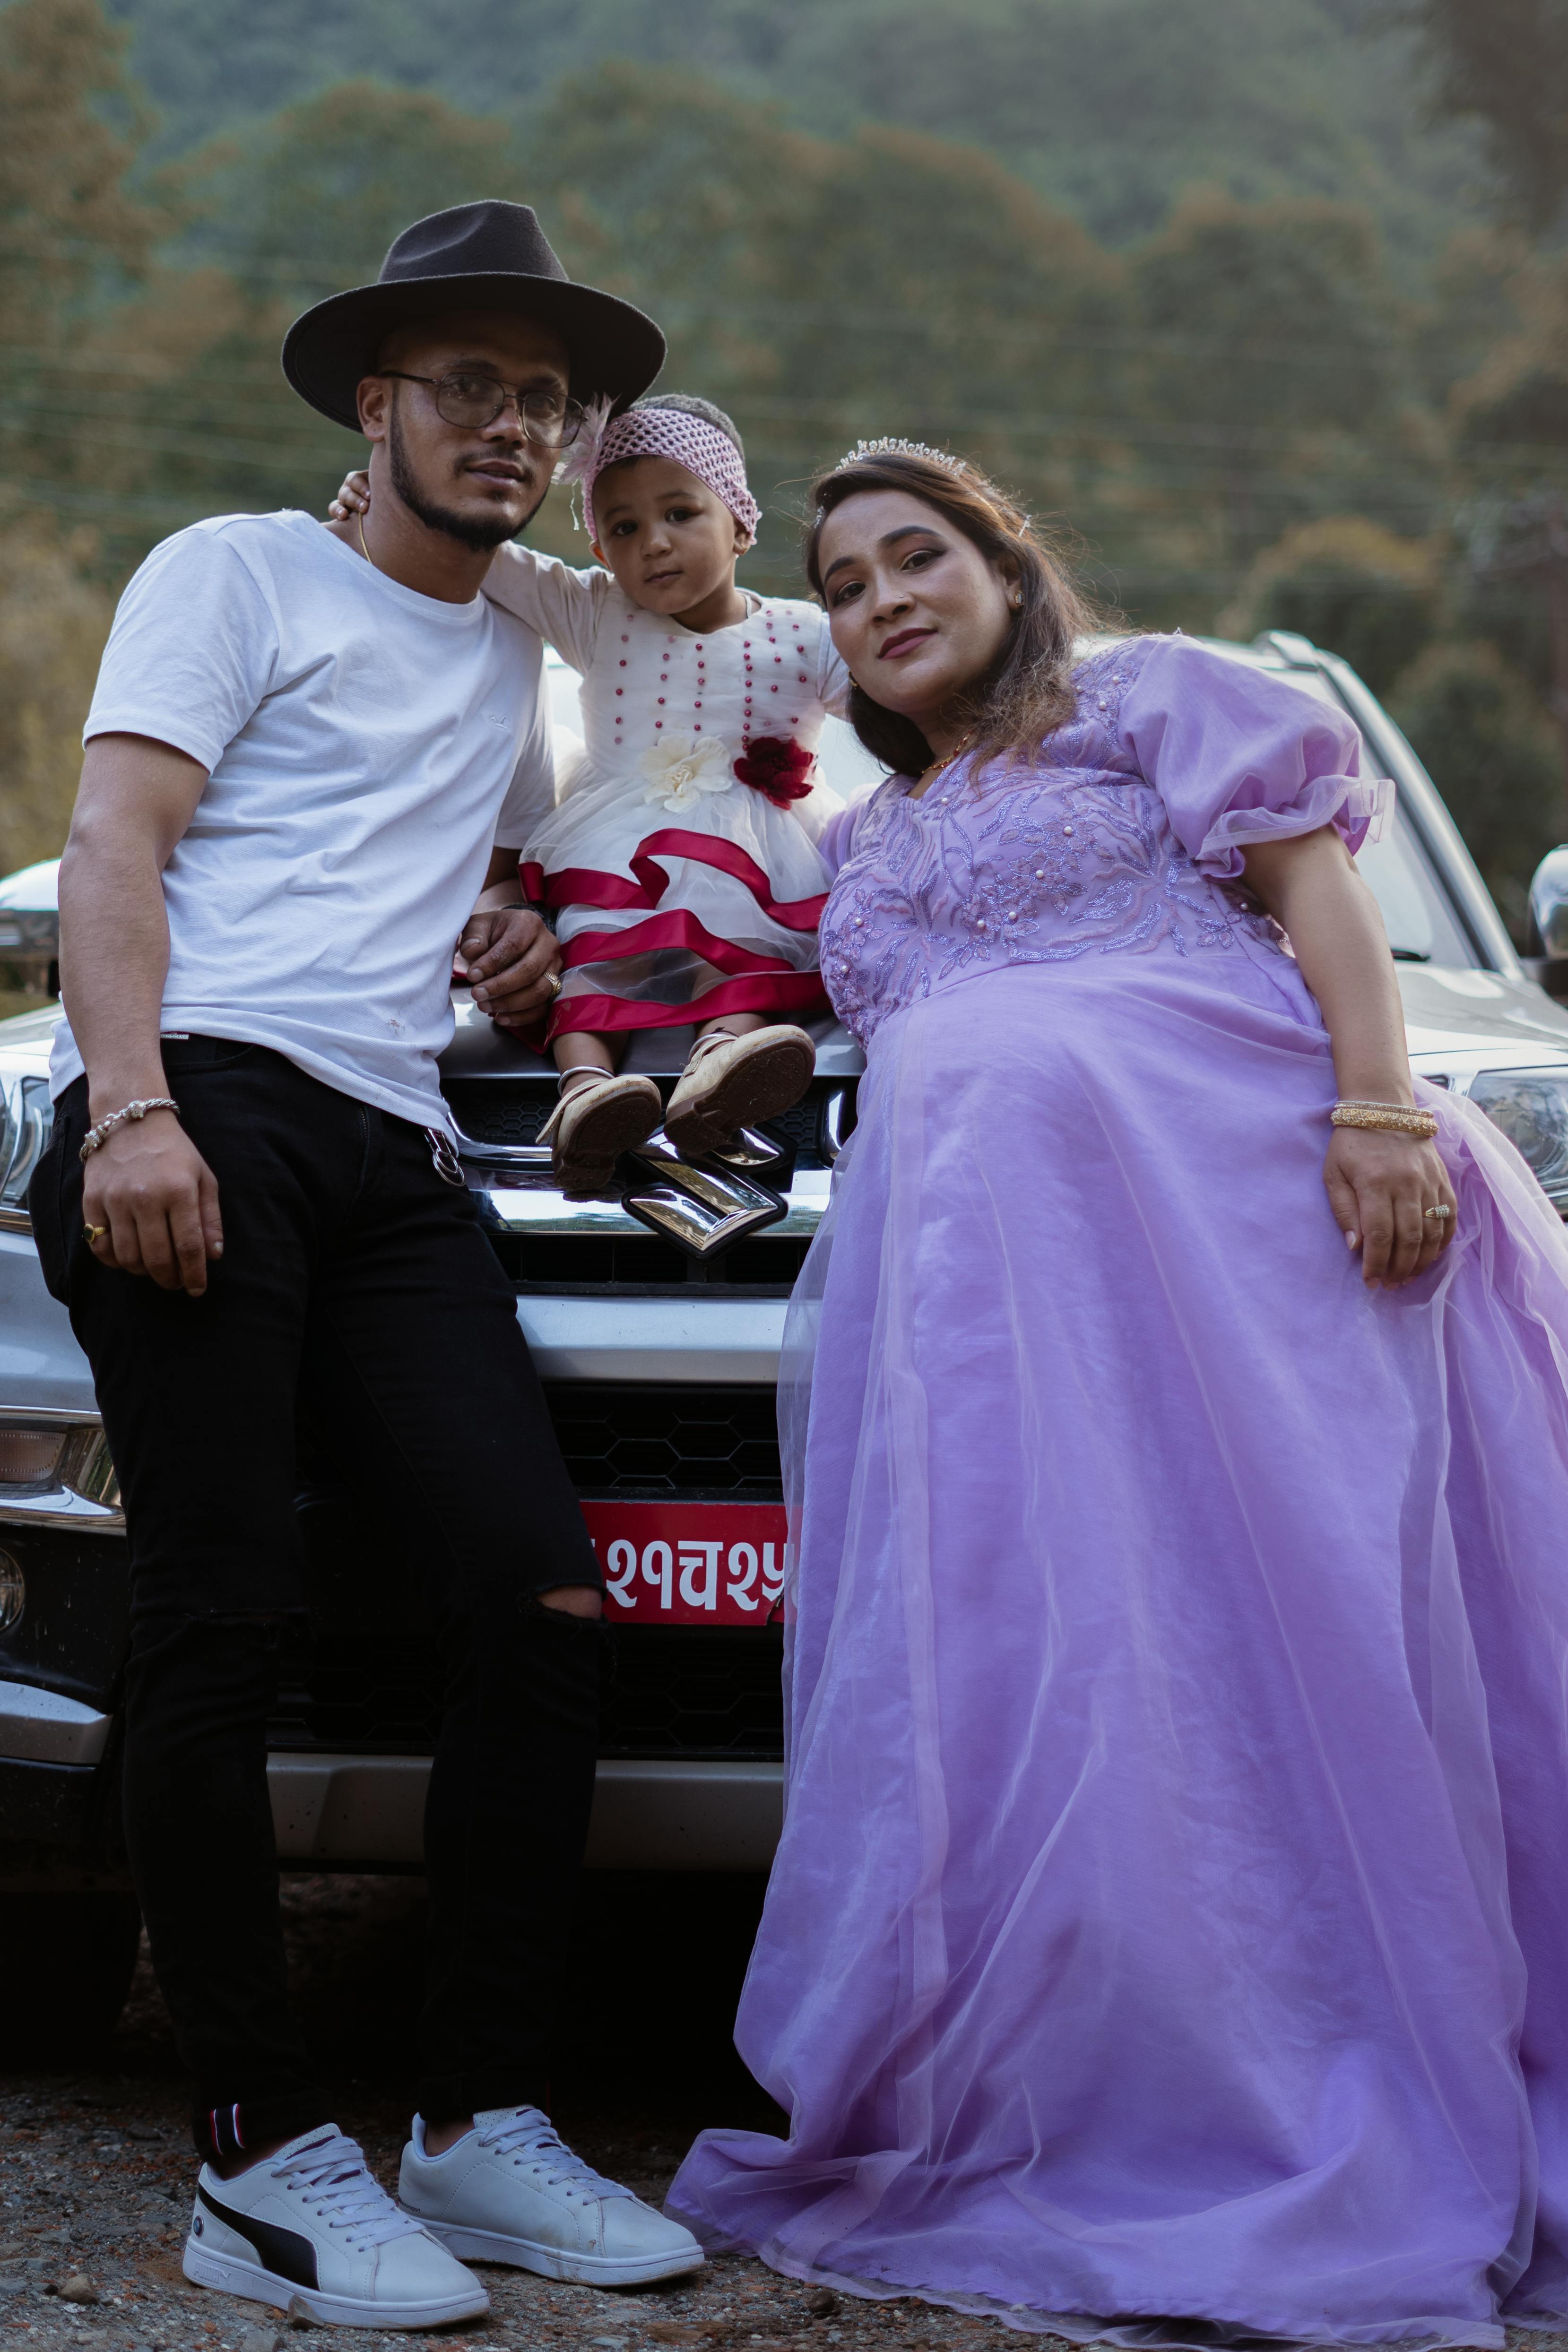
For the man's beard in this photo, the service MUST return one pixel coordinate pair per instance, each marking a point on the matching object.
(478, 532)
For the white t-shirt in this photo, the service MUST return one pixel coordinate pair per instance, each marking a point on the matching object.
(367, 746)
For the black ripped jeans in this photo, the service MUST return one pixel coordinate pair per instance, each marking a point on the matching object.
(358, 1298)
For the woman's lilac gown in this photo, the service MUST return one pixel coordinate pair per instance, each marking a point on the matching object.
(1169, 1937)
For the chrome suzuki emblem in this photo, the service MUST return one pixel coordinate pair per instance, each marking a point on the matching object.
(705, 1206)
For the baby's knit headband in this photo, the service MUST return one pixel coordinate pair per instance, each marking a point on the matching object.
(655, 432)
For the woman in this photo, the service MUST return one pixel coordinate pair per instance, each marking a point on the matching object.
(1169, 1938)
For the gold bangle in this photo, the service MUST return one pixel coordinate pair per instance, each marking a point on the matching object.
(1393, 1117)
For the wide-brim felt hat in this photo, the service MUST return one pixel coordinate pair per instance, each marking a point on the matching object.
(483, 257)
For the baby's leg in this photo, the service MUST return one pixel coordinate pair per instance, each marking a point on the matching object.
(580, 1056)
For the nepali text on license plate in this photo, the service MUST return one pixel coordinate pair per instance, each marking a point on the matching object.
(689, 1563)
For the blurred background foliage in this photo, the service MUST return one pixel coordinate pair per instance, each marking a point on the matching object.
(1268, 299)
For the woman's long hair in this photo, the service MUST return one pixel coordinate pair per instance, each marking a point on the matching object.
(1027, 693)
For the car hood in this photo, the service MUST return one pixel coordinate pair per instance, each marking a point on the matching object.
(1447, 1010)
(1453, 1009)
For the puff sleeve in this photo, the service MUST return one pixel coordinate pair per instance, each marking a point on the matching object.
(1239, 756)
(562, 605)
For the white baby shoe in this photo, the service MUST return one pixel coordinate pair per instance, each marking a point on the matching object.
(731, 1082)
(592, 1125)
(312, 2225)
(511, 2191)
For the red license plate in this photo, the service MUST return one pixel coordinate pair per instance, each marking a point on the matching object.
(689, 1563)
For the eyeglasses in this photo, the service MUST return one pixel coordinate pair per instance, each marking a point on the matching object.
(474, 400)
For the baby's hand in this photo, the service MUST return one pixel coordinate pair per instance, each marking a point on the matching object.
(352, 499)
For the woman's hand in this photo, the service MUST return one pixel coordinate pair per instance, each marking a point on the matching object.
(1380, 1183)
(352, 499)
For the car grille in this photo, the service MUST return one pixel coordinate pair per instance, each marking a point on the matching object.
(656, 1441)
(503, 1114)
(572, 1263)
(512, 1111)
(670, 1691)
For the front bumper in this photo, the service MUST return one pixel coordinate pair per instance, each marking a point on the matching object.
(367, 1813)
(338, 1813)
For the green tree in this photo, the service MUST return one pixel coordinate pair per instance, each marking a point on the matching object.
(1107, 108)
(1504, 65)
(1280, 372)
(309, 200)
(1350, 586)
(1510, 424)
(54, 618)
(822, 289)
(303, 204)
(74, 238)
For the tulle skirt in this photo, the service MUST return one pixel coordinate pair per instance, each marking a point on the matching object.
(1169, 1938)
(666, 917)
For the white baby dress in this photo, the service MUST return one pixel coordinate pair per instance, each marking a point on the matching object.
(681, 889)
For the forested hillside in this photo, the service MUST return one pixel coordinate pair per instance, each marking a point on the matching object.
(1107, 107)
(1193, 276)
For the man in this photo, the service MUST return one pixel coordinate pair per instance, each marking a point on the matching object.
(311, 761)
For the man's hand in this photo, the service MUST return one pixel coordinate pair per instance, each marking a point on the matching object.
(150, 1186)
(510, 956)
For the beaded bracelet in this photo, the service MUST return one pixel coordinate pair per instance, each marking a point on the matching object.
(99, 1134)
(1392, 1117)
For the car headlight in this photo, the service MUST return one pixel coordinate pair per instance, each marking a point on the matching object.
(30, 1457)
(1530, 1107)
(26, 1118)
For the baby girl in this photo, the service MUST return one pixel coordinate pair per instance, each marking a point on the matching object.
(681, 859)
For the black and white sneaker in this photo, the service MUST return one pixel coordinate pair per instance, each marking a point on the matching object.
(312, 2225)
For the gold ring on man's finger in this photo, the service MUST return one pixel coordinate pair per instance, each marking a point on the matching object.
(94, 1233)
(552, 982)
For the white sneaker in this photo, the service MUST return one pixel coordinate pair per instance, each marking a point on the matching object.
(511, 2191)
(313, 2225)
(731, 1082)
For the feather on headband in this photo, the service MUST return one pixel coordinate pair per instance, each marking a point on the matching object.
(579, 458)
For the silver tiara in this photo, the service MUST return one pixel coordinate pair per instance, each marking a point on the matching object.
(890, 445)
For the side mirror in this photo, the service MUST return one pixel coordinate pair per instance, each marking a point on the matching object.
(1549, 904)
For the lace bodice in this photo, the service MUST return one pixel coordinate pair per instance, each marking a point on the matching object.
(1123, 836)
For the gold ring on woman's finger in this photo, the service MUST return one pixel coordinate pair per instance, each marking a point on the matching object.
(94, 1233)
(1442, 1213)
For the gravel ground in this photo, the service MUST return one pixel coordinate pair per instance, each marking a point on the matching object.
(96, 2170)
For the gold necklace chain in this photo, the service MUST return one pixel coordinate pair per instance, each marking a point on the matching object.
(359, 518)
(939, 767)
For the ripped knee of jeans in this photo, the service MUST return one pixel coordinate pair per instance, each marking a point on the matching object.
(584, 1602)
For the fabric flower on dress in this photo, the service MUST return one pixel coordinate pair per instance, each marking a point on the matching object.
(782, 770)
(679, 770)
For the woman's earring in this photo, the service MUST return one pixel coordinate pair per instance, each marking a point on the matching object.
(1018, 603)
